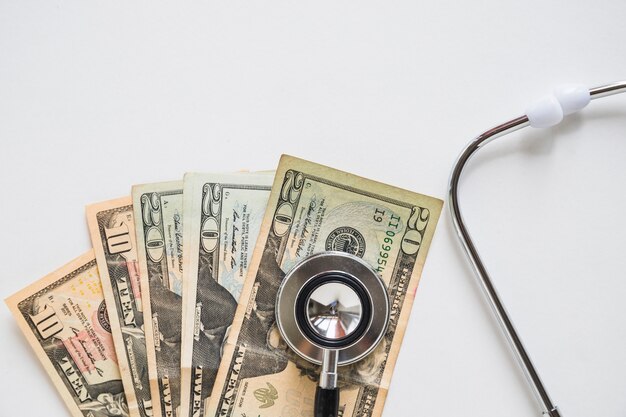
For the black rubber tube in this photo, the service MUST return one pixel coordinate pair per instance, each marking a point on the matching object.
(326, 402)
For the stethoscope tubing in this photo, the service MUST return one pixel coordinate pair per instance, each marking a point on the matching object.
(549, 409)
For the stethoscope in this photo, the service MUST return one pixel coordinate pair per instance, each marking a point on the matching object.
(332, 309)
(546, 112)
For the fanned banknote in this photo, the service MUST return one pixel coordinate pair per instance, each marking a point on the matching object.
(312, 209)
(112, 229)
(159, 222)
(223, 215)
(64, 318)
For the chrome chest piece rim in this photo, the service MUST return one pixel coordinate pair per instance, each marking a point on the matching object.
(332, 300)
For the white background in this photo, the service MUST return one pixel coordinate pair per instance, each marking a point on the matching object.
(97, 96)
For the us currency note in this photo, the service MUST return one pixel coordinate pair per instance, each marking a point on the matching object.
(312, 209)
(64, 318)
(112, 229)
(158, 210)
(223, 215)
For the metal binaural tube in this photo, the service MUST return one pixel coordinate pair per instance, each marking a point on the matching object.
(487, 286)
(502, 317)
(608, 90)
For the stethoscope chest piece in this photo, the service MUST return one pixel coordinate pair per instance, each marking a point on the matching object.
(332, 309)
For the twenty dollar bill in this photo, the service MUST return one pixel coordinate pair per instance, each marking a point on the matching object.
(158, 213)
(223, 215)
(312, 209)
(112, 229)
(64, 318)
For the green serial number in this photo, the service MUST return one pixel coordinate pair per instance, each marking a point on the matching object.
(385, 246)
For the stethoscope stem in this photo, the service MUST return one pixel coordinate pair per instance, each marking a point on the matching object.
(520, 353)
(328, 376)
(327, 393)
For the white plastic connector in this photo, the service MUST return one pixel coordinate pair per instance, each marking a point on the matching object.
(573, 97)
(545, 112)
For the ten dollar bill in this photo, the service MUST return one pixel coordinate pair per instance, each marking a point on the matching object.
(112, 229)
(64, 318)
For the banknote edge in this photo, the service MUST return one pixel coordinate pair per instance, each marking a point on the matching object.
(290, 159)
(91, 212)
(136, 192)
(186, 356)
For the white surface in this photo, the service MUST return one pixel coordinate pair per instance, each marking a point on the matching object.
(97, 96)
